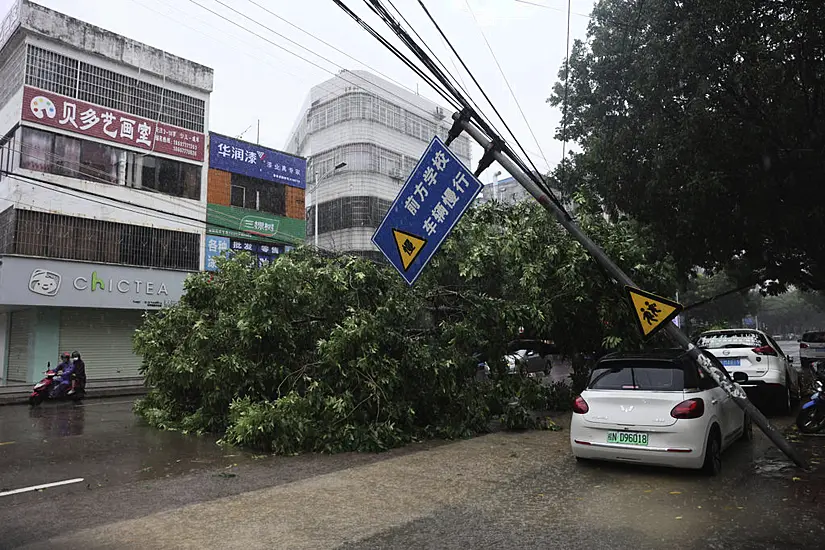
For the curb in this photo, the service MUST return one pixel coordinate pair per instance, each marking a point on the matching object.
(20, 396)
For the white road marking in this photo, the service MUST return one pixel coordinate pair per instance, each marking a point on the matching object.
(38, 487)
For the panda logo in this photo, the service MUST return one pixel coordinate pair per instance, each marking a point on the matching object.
(43, 107)
(44, 282)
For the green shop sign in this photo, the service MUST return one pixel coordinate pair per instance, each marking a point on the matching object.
(241, 223)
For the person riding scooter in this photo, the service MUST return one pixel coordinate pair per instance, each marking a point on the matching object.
(64, 374)
(79, 374)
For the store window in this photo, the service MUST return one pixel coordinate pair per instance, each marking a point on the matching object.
(238, 196)
(258, 194)
(83, 159)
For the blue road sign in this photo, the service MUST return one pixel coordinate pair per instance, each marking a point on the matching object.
(429, 204)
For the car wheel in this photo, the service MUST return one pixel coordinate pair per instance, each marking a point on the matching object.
(713, 455)
(747, 429)
(783, 400)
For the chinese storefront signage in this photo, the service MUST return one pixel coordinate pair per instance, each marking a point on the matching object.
(79, 117)
(241, 223)
(425, 211)
(217, 246)
(239, 157)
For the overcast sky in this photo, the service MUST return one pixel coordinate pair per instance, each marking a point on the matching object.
(254, 79)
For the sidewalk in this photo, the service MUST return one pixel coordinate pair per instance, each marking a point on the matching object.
(19, 393)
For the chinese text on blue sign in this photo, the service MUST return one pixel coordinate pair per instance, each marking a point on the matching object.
(428, 206)
(248, 159)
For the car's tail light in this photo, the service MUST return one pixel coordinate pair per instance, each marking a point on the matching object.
(692, 408)
(803, 345)
(580, 406)
(765, 350)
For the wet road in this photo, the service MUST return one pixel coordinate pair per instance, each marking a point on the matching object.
(148, 489)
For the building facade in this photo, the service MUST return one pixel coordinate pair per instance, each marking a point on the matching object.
(255, 200)
(507, 191)
(362, 137)
(102, 190)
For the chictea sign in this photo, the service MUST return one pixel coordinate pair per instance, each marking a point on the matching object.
(37, 282)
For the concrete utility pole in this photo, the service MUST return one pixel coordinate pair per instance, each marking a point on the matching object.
(675, 333)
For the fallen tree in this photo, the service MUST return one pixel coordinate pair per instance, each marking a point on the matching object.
(329, 354)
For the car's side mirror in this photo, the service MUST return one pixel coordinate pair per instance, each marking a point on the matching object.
(740, 377)
(790, 358)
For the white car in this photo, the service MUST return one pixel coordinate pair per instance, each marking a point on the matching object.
(811, 348)
(655, 408)
(754, 353)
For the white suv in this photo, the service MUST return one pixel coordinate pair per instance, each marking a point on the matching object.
(811, 348)
(757, 355)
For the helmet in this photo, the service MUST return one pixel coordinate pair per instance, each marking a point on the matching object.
(75, 355)
(65, 356)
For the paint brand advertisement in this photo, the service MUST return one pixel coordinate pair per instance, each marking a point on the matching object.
(248, 159)
(79, 117)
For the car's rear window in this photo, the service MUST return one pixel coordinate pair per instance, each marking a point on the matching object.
(814, 337)
(646, 375)
(744, 339)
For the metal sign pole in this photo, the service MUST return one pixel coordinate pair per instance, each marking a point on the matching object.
(674, 332)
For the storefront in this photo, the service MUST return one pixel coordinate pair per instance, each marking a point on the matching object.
(51, 306)
(265, 236)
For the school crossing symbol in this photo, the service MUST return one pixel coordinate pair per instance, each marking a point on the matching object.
(409, 246)
(652, 312)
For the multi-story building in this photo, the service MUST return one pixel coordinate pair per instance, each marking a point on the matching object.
(362, 136)
(255, 200)
(508, 191)
(102, 189)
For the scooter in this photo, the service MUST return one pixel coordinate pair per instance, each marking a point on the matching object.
(43, 389)
(811, 418)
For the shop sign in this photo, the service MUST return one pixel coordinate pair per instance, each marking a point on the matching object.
(83, 118)
(240, 223)
(248, 159)
(40, 282)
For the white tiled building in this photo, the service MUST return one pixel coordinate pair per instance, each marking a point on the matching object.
(379, 130)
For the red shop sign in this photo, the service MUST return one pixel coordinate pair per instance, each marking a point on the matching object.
(58, 111)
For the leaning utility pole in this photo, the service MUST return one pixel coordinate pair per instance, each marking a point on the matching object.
(492, 151)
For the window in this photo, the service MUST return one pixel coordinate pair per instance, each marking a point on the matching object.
(347, 212)
(259, 194)
(36, 152)
(238, 196)
(814, 337)
(640, 375)
(82, 159)
(98, 161)
(72, 238)
(731, 339)
(66, 76)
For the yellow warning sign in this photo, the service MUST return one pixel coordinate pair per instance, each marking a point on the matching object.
(652, 312)
(409, 246)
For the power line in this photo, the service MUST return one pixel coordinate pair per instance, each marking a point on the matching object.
(144, 210)
(342, 76)
(545, 6)
(507, 82)
(534, 174)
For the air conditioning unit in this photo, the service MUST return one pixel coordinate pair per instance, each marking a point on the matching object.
(439, 113)
(395, 173)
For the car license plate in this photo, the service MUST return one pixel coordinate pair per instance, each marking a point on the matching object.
(627, 438)
(730, 362)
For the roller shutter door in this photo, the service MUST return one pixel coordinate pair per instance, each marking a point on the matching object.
(17, 367)
(104, 339)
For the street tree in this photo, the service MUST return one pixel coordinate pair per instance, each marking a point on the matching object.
(705, 121)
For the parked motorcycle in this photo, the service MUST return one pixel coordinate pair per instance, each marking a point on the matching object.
(811, 418)
(47, 388)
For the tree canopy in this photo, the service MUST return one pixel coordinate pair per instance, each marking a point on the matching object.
(705, 121)
(318, 353)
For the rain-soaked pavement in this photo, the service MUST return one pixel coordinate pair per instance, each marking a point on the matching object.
(143, 488)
